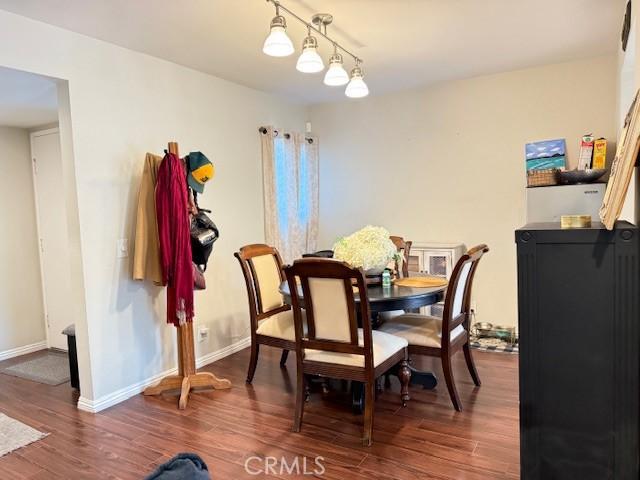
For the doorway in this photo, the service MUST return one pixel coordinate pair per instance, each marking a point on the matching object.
(53, 239)
(41, 290)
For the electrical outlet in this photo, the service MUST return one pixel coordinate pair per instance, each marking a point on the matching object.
(122, 246)
(203, 334)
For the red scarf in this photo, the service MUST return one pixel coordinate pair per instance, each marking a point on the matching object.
(172, 209)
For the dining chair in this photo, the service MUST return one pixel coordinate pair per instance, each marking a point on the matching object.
(444, 337)
(333, 346)
(404, 247)
(271, 319)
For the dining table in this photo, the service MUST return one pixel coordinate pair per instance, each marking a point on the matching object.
(388, 299)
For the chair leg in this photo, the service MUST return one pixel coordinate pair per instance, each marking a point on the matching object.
(471, 365)
(301, 394)
(404, 374)
(369, 407)
(379, 387)
(451, 386)
(283, 358)
(253, 362)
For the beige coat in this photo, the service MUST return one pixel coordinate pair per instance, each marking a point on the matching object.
(146, 256)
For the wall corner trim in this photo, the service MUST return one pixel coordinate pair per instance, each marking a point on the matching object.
(106, 401)
(16, 352)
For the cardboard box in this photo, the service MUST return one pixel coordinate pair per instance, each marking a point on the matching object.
(599, 153)
(586, 152)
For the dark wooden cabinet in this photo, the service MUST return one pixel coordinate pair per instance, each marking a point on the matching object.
(579, 345)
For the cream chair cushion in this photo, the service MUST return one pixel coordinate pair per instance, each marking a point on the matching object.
(330, 309)
(419, 329)
(268, 279)
(384, 346)
(281, 326)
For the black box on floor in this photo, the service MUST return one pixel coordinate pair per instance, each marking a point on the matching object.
(578, 308)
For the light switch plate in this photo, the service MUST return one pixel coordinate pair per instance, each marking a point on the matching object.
(123, 248)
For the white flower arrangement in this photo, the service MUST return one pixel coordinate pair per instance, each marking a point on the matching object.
(369, 248)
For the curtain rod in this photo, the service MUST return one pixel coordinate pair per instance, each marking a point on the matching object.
(263, 131)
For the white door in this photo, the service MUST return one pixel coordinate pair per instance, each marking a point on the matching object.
(54, 237)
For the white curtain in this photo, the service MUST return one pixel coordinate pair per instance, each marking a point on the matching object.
(290, 176)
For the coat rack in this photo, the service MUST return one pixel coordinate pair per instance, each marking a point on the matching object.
(187, 378)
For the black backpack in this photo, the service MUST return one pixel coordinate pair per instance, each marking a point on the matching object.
(204, 234)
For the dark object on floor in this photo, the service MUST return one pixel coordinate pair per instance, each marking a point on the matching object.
(493, 345)
(70, 332)
(184, 466)
(578, 303)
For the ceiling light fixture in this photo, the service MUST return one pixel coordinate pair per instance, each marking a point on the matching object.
(278, 44)
(309, 61)
(336, 76)
(357, 88)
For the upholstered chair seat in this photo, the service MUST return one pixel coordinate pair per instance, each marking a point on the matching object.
(443, 337)
(384, 347)
(420, 330)
(271, 320)
(280, 326)
(335, 300)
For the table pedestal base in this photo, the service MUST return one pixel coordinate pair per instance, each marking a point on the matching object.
(427, 379)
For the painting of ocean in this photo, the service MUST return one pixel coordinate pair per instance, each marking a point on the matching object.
(546, 154)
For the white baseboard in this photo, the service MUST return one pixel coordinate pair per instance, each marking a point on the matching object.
(106, 401)
(16, 352)
(225, 352)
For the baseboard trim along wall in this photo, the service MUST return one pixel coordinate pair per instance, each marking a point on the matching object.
(95, 406)
(16, 352)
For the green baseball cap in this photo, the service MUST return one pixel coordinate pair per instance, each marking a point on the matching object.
(200, 171)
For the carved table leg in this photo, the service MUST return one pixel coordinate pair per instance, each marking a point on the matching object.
(404, 374)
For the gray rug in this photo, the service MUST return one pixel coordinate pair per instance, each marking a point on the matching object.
(52, 368)
(15, 434)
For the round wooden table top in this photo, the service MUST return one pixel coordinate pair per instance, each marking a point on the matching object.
(387, 299)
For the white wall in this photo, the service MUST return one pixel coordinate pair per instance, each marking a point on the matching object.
(446, 163)
(123, 104)
(21, 311)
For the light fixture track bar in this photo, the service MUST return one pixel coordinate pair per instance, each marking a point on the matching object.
(317, 30)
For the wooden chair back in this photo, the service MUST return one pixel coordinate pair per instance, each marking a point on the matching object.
(263, 272)
(404, 247)
(457, 304)
(329, 288)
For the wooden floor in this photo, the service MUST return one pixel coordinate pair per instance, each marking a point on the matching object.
(426, 440)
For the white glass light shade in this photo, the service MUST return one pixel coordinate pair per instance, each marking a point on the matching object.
(356, 88)
(278, 43)
(336, 75)
(309, 61)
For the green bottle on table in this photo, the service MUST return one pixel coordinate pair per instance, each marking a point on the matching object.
(386, 279)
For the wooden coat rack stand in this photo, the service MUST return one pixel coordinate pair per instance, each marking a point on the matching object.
(187, 378)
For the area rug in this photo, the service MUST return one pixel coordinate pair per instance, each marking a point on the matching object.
(15, 434)
(493, 345)
(52, 368)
